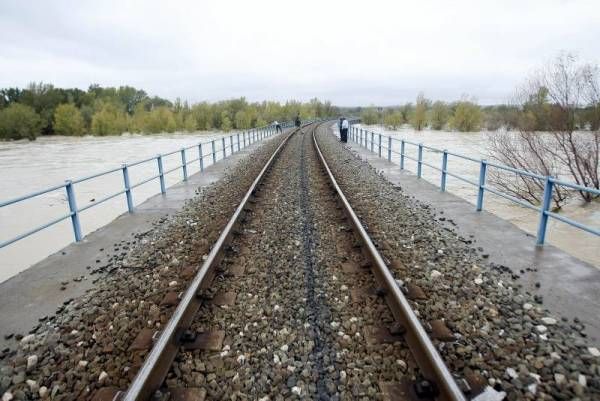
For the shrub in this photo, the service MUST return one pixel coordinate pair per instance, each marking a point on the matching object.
(19, 121)
(68, 120)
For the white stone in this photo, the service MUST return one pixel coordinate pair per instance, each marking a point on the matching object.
(276, 359)
(28, 339)
(32, 360)
(334, 325)
(343, 375)
(265, 398)
(541, 328)
(103, 376)
(344, 288)
(334, 278)
(435, 274)
(559, 378)
(33, 386)
(548, 321)
(402, 364)
(510, 372)
(490, 394)
(532, 388)
(296, 390)
(527, 306)
(43, 392)
(478, 280)
(276, 308)
(594, 351)
(582, 380)
(7, 396)
(554, 355)
(537, 377)
(173, 283)
(241, 359)
(284, 348)
(440, 252)
(74, 332)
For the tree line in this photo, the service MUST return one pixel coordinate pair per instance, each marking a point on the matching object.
(42, 109)
(536, 112)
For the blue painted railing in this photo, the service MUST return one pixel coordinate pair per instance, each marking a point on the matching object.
(237, 141)
(376, 142)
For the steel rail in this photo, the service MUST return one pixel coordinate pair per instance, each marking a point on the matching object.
(429, 360)
(156, 366)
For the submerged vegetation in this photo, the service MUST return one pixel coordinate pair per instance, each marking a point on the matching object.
(42, 109)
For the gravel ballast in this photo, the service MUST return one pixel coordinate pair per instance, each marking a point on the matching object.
(501, 332)
(85, 345)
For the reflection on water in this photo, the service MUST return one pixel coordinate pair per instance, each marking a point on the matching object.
(48, 161)
(584, 245)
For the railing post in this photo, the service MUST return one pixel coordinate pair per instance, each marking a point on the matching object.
(200, 157)
(73, 209)
(183, 164)
(444, 168)
(402, 154)
(244, 134)
(372, 140)
(548, 188)
(238, 141)
(231, 144)
(223, 145)
(379, 145)
(214, 152)
(481, 188)
(161, 174)
(389, 148)
(420, 161)
(127, 188)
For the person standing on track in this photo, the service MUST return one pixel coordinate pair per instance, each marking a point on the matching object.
(277, 126)
(298, 123)
(344, 131)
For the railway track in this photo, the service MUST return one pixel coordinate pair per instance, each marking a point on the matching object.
(293, 299)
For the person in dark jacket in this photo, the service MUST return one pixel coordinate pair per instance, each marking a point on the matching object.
(297, 121)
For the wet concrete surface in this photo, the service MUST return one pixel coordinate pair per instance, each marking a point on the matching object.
(37, 292)
(569, 287)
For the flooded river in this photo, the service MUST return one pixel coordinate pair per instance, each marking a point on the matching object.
(584, 245)
(30, 166)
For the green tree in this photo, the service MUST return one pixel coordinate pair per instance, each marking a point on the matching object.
(68, 120)
(242, 120)
(19, 121)
(189, 123)
(369, 116)
(438, 115)
(225, 122)
(419, 117)
(109, 120)
(393, 120)
(467, 116)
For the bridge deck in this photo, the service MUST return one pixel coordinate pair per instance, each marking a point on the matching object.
(569, 286)
(36, 292)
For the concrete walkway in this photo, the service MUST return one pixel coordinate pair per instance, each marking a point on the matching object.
(36, 292)
(569, 286)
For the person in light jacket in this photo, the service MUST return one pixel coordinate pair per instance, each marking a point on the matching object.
(344, 131)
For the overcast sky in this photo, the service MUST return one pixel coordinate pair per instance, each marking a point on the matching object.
(350, 52)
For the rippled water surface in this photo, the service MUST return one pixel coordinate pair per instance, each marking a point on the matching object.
(584, 245)
(48, 161)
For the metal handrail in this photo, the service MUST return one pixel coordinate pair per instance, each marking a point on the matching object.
(361, 137)
(250, 136)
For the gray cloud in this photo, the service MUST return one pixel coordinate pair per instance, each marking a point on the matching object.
(350, 52)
